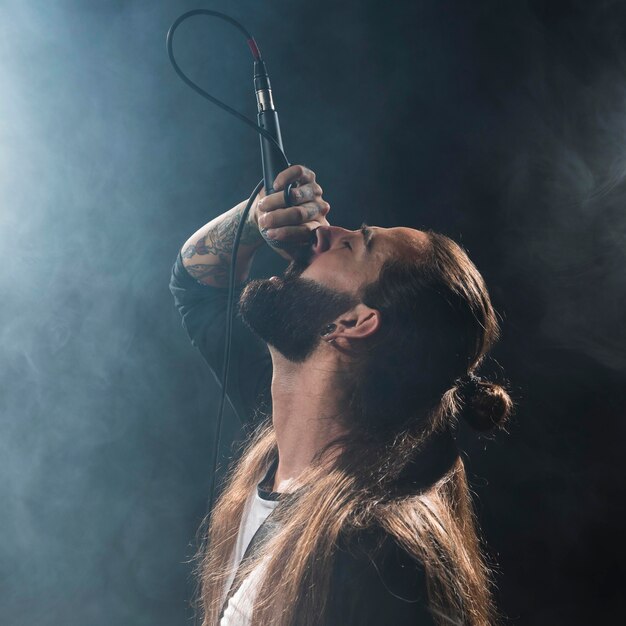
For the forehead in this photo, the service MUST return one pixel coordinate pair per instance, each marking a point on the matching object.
(399, 240)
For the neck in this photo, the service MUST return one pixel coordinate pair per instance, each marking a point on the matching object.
(305, 405)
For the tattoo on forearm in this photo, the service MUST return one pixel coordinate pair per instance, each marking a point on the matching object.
(217, 273)
(219, 240)
(195, 248)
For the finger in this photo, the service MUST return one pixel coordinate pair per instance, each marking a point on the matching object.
(295, 173)
(298, 195)
(291, 234)
(305, 193)
(293, 216)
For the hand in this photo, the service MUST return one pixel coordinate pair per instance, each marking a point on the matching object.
(291, 226)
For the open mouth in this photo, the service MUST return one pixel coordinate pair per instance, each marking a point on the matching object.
(320, 241)
(313, 238)
(303, 255)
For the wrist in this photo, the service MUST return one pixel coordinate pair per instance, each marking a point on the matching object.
(251, 235)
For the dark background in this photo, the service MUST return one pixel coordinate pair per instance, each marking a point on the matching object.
(501, 124)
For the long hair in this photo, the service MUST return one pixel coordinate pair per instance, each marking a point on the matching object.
(401, 392)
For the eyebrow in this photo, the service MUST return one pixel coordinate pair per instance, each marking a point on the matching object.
(368, 235)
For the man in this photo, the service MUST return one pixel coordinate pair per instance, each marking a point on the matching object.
(350, 504)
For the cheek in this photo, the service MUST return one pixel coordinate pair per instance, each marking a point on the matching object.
(331, 273)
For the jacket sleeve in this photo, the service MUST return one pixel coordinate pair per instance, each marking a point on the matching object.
(203, 312)
(374, 581)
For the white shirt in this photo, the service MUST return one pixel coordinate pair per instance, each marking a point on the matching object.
(239, 609)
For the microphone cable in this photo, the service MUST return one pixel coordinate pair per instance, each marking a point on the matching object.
(256, 54)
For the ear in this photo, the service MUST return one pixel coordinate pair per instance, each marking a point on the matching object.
(358, 323)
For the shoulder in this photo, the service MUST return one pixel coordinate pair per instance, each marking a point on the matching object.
(376, 581)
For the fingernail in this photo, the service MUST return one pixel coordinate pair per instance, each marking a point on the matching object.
(269, 232)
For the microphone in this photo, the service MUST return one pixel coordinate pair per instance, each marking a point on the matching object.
(272, 154)
(273, 157)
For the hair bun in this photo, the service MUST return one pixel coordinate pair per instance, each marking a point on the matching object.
(484, 405)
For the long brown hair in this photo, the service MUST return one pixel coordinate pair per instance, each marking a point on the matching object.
(400, 394)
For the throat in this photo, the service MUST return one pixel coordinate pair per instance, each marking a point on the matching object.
(306, 416)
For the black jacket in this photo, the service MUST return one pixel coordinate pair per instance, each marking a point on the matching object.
(374, 582)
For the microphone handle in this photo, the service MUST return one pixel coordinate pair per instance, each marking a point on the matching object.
(273, 160)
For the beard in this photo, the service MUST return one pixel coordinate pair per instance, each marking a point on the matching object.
(289, 313)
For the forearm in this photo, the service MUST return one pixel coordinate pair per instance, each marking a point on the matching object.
(207, 253)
